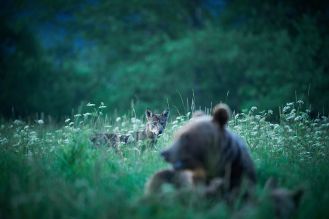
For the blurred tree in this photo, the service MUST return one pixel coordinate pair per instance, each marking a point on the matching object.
(57, 54)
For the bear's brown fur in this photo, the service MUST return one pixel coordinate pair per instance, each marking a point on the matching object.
(206, 143)
(169, 176)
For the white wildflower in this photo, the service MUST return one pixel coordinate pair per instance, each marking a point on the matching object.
(236, 116)
(3, 140)
(253, 123)
(253, 133)
(135, 120)
(314, 124)
(86, 114)
(118, 119)
(318, 132)
(67, 120)
(298, 118)
(102, 106)
(90, 104)
(254, 108)
(40, 122)
(18, 122)
(290, 117)
(285, 109)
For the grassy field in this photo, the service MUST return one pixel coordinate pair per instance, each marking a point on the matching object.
(48, 171)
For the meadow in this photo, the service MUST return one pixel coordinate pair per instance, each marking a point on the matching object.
(53, 171)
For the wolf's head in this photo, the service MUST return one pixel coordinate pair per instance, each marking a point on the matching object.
(156, 123)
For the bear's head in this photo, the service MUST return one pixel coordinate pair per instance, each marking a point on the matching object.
(196, 144)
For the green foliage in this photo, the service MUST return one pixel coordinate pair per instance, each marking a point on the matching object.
(52, 172)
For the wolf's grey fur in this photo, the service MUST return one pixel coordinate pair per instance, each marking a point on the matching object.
(155, 126)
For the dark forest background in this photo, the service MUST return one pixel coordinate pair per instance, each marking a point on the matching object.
(56, 55)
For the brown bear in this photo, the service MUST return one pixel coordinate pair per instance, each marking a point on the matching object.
(211, 160)
(206, 143)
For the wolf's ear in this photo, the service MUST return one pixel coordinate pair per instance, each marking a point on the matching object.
(166, 113)
(221, 114)
(148, 113)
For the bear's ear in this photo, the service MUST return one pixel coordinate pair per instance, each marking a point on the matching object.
(148, 113)
(221, 114)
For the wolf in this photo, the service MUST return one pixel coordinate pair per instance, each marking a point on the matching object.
(154, 127)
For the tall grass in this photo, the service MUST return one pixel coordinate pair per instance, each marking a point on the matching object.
(49, 172)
